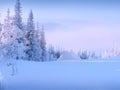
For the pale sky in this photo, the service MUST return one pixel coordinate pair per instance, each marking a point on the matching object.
(74, 24)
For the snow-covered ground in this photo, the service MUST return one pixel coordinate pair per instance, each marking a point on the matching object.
(60, 75)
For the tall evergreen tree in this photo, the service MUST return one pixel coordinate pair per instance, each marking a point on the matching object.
(17, 17)
(37, 44)
(30, 22)
(8, 14)
(30, 37)
(17, 22)
(43, 45)
(7, 21)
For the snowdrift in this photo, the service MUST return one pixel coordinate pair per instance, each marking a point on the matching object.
(68, 56)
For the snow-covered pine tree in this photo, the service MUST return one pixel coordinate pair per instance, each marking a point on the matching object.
(17, 17)
(11, 39)
(30, 29)
(8, 16)
(17, 23)
(43, 45)
(14, 41)
(10, 46)
(4, 34)
(7, 21)
(51, 53)
(37, 44)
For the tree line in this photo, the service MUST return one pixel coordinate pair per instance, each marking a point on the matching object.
(20, 40)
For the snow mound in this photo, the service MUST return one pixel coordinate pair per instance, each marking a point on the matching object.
(68, 56)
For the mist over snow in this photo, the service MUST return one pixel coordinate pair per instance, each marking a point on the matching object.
(77, 36)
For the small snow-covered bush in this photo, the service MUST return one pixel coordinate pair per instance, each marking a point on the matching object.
(84, 54)
(114, 52)
(53, 54)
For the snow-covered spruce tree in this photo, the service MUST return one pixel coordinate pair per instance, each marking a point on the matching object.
(51, 53)
(30, 29)
(11, 39)
(43, 45)
(11, 47)
(37, 44)
(5, 35)
(7, 21)
(17, 17)
(17, 24)
(35, 41)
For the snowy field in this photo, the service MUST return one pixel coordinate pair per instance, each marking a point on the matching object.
(60, 75)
